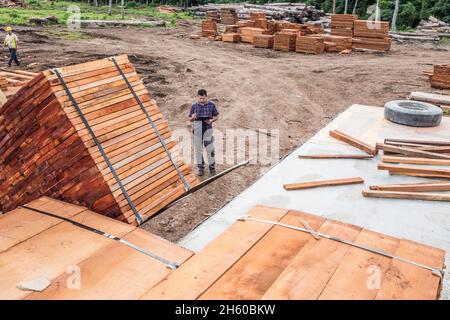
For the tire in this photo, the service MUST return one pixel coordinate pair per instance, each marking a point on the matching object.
(413, 113)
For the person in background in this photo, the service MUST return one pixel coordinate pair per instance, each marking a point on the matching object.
(11, 42)
(203, 113)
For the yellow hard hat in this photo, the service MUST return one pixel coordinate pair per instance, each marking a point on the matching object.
(8, 29)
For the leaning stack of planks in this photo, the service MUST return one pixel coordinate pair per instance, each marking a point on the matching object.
(12, 80)
(441, 76)
(228, 16)
(306, 44)
(58, 242)
(285, 40)
(256, 259)
(209, 28)
(248, 33)
(231, 37)
(372, 35)
(342, 24)
(263, 41)
(90, 134)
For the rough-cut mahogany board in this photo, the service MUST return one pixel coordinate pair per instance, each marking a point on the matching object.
(406, 195)
(426, 161)
(444, 173)
(253, 274)
(353, 142)
(411, 152)
(414, 187)
(198, 273)
(309, 272)
(118, 271)
(322, 183)
(335, 156)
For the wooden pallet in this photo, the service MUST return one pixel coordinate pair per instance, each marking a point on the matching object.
(35, 245)
(46, 149)
(253, 260)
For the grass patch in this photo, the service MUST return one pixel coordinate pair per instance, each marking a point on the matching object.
(444, 41)
(45, 8)
(64, 34)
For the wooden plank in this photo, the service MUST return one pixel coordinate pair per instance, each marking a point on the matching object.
(322, 183)
(430, 97)
(199, 272)
(335, 156)
(118, 271)
(414, 187)
(426, 142)
(436, 172)
(406, 195)
(406, 281)
(310, 271)
(360, 274)
(251, 276)
(426, 161)
(353, 142)
(411, 152)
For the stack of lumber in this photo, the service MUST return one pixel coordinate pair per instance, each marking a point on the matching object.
(257, 260)
(3, 82)
(372, 35)
(209, 28)
(246, 23)
(263, 41)
(284, 41)
(248, 33)
(12, 80)
(416, 148)
(228, 16)
(342, 24)
(342, 43)
(231, 37)
(257, 15)
(232, 28)
(109, 269)
(261, 23)
(47, 149)
(212, 16)
(316, 28)
(306, 44)
(441, 76)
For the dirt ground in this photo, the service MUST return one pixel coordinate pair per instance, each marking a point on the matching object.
(253, 88)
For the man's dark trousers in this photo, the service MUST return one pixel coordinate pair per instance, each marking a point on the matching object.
(203, 136)
(13, 57)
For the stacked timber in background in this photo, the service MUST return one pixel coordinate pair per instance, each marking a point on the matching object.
(285, 40)
(373, 35)
(342, 24)
(209, 28)
(232, 28)
(339, 42)
(231, 37)
(47, 149)
(12, 81)
(263, 41)
(212, 16)
(228, 16)
(441, 76)
(248, 33)
(314, 45)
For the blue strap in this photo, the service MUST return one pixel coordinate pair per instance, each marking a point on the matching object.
(161, 140)
(97, 142)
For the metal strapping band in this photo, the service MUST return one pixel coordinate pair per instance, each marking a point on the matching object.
(435, 271)
(161, 140)
(167, 263)
(97, 142)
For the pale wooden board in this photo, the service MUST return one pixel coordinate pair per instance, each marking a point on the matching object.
(195, 276)
(255, 272)
(118, 271)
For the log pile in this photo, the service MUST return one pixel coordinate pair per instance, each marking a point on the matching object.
(231, 37)
(209, 28)
(247, 33)
(49, 147)
(314, 45)
(263, 41)
(373, 35)
(342, 24)
(228, 16)
(441, 76)
(284, 41)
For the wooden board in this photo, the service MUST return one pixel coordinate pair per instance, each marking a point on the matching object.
(322, 183)
(353, 142)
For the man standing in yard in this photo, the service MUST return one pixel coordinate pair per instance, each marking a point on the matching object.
(202, 114)
(11, 42)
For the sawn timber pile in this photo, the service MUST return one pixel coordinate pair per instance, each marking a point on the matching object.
(46, 149)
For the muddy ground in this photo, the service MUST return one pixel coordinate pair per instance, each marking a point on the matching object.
(253, 88)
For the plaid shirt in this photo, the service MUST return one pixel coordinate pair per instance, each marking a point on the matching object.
(204, 112)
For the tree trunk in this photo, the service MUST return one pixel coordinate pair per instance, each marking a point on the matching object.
(377, 11)
(394, 16)
(334, 6)
(110, 7)
(122, 4)
(346, 6)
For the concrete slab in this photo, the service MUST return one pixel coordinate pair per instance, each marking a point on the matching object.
(422, 221)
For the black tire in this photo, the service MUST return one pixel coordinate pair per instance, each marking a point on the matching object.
(413, 113)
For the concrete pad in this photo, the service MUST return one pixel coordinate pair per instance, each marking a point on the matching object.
(426, 222)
